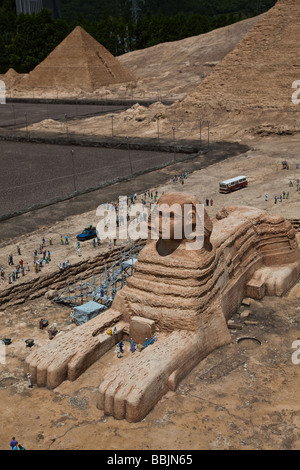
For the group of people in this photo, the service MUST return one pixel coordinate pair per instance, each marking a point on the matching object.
(181, 178)
(41, 257)
(279, 198)
(146, 344)
(120, 346)
(149, 197)
(18, 271)
(285, 194)
(15, 445)
(64, 265)
(209, 202)
(64, 241)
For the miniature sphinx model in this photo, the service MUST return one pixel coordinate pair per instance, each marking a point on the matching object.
(184, 295)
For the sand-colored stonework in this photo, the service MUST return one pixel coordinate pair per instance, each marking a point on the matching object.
(249, 92)
(183, 295)
(251, 89)
(78, 62)
(170, 69)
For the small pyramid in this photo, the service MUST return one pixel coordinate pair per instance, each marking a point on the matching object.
(11, 76)
(79, 61)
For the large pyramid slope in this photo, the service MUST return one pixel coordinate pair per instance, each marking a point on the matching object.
(177, 66)
(79, 62)
(260, 71)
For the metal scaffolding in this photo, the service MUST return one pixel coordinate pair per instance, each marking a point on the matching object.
(103, 289)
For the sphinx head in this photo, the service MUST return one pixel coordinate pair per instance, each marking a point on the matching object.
(180, 218)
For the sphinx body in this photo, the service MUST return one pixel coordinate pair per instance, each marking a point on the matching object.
(186, 296)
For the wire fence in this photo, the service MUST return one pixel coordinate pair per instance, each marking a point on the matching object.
(79, 160)
(173, 136)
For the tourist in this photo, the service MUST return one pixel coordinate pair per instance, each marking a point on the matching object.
(10, 260)
(54, 328)
(132, 345)
(29, 380)
(119, 355)
(13, 444)
(21, 447)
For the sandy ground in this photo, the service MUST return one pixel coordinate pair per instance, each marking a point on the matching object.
(242, 396)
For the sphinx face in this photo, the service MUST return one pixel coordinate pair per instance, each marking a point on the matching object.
(170, 222)
(180, 218)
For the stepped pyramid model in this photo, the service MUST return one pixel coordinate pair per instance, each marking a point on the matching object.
(259, 72)
(79, 61)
